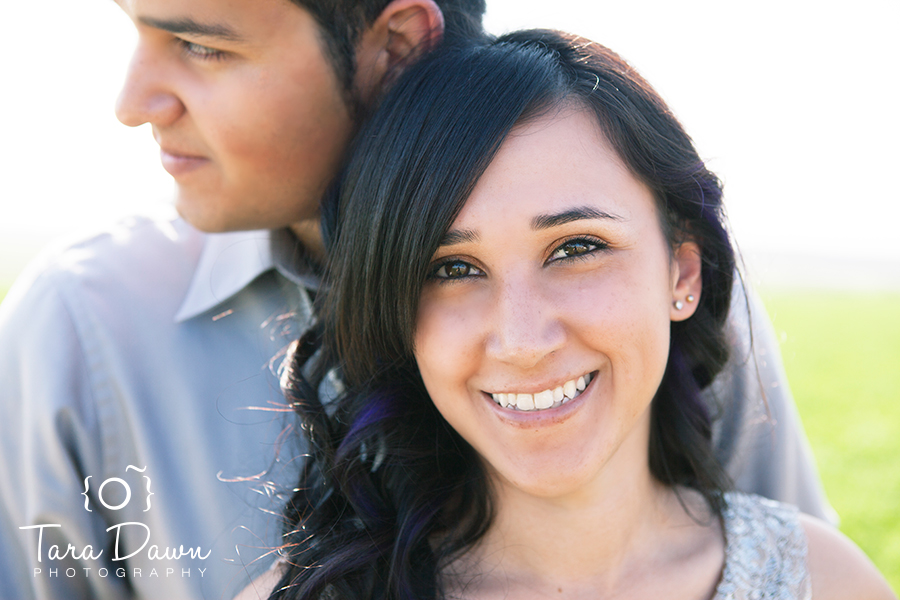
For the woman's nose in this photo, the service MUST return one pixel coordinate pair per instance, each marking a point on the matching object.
(148, 94)
(526, 327)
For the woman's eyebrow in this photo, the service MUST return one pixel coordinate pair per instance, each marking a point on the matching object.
(192, 27)
(458, 236)
(567, 216)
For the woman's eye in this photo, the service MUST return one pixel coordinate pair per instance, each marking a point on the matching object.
(575, 248)
(455, 269)
(200, 51)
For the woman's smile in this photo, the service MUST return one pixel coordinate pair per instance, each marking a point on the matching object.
(543, 400)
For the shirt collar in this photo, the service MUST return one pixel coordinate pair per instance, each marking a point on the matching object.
(229, 262)
(292, 260)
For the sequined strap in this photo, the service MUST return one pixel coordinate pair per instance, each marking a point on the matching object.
(765, 551)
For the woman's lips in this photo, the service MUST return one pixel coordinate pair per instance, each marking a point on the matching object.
(549, 398)
(180, 164)
(549, 416)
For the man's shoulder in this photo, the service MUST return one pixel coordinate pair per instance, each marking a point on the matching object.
(136, 243)
(133, 259)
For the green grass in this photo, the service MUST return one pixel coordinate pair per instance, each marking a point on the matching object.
(842, 356)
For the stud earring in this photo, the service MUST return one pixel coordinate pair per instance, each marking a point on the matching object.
(679, 305)
(690, 298)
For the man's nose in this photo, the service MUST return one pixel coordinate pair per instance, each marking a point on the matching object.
(526, 325)
(148, 94)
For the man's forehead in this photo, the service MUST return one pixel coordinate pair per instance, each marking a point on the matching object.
(224, 19)
(194, 27)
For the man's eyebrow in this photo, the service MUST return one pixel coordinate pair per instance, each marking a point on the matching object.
(567, 216)
(192, 27)
(458, 236)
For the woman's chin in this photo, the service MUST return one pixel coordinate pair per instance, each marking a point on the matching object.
(576, 463)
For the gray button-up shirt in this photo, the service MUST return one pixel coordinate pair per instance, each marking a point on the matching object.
(138, 366)
(141, 422)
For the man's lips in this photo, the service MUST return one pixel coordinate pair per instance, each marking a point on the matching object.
(180, 164)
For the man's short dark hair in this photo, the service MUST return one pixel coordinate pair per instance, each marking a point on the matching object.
(343, 21)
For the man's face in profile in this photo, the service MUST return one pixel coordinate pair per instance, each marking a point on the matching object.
(244, 103)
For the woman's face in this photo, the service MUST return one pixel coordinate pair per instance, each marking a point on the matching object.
(556, 270)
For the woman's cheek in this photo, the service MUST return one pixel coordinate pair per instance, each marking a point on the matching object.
(446, 337)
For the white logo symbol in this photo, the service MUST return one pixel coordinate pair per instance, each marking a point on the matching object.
(118, 481)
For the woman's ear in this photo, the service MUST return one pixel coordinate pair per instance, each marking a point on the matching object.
(403, 32)
(687, 284)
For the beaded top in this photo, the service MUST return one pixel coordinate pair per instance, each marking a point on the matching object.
(765, 551)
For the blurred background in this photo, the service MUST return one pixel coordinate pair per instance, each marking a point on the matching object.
(793, 103)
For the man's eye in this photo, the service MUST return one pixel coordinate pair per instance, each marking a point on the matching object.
(575, 248)
(455, 269)
(200, 51)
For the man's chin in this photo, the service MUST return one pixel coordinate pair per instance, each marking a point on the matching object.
(207, 221)
(212, 215)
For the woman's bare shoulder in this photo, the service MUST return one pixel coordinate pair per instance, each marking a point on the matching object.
(261, 587)
(838, 568)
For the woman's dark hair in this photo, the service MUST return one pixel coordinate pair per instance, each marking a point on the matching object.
(390, 492)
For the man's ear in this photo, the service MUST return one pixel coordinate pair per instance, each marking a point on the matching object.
(403, 32)
(687, 264)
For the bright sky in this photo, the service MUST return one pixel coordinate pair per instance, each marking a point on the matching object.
(793, 103)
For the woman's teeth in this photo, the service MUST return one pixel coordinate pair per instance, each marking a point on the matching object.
(546, 399)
